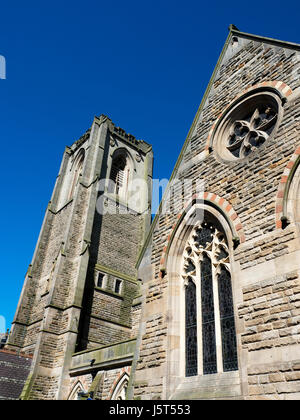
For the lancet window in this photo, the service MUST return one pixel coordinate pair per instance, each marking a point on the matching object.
(119, 175)
(210, 337)
(77, 169)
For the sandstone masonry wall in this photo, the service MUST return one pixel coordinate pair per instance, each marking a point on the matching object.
(268, 313)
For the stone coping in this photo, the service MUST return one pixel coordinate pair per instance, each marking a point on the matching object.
(104, 357)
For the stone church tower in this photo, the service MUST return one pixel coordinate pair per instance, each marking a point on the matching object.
(81, 290)
(205, 303)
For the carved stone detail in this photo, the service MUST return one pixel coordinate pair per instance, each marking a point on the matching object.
(248, 134)
(204, 239)
(247, 125)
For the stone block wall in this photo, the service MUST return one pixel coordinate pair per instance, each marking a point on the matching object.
(119, 242)
(271, 315)
(116, 241)
(275, 381)
(264, 264)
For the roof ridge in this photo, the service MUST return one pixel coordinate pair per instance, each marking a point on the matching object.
(234, 30)
(14, 352)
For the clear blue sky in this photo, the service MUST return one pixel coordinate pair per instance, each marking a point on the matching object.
(145, 64)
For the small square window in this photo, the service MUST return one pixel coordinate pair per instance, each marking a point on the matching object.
(118, 284)
(100, 280)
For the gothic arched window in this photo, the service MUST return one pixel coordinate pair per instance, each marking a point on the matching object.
(120, 390)
(77, 391)
(119, 175)
(77, 169)
(210, 336)
(208, 317)
(191, 329)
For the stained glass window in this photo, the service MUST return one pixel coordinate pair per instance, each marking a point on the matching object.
(222, 254)
(208, 318)
(191, 348)
(204, 234)
(207, 256)
(229, 350)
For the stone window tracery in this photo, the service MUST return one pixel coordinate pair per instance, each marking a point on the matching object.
(248, 134)
(209, 315)
(247, 125)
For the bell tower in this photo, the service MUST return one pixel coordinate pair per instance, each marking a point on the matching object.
(82, 281)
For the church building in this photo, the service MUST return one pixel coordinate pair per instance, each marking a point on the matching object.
(203, 301)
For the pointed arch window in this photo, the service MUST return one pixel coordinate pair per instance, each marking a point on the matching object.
(120, 390)
(208, 317)
(77, 391)
(210, 337)
(229, 350)
(191, 329)
(77, 169)
(119, 175)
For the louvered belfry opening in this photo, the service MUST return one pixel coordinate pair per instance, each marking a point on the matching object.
(118, 174)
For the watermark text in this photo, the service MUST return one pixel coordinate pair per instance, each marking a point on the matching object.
(2, 67)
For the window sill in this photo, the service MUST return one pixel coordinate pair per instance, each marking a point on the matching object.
(109, 292)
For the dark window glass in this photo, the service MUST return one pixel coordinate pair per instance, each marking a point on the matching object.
(222, 254)
(189, 266)
(229, 349)
(191, 351)
(100, 280)
(208, 318)
(117, 173)
(118, 286)
(204, 235)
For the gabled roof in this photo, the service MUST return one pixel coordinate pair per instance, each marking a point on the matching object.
(233, 32)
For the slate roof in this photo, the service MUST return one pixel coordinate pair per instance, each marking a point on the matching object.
(14, 370)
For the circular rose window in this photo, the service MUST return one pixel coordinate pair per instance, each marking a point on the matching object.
(247, 126)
